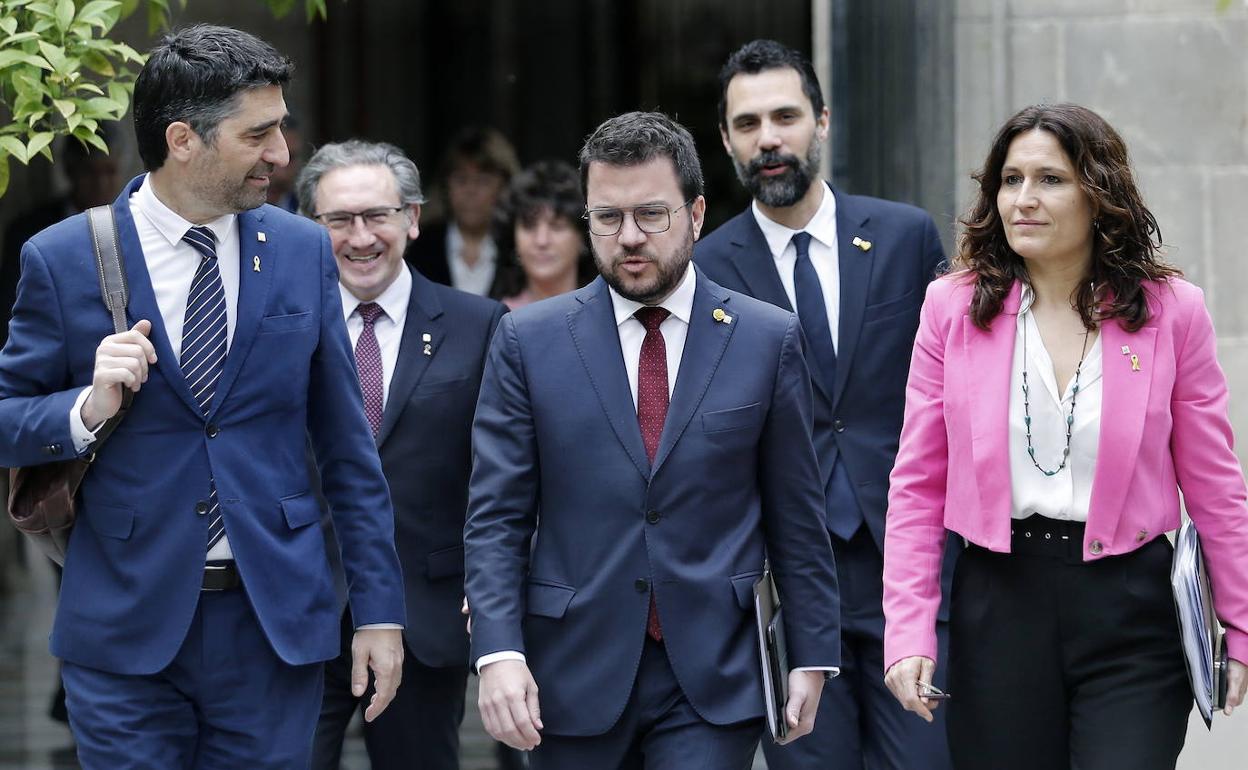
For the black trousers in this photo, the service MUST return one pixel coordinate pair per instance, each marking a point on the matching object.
(1056, 663)
(419, 729)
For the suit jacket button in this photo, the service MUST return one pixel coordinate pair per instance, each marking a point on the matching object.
(653, 517)
(212, 430)
(56, 449)
(1095, 547)
(201, 507)
(838, 425)
(642, 585)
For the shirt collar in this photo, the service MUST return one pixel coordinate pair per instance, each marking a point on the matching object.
(455, 247)
(679, 303)
(1025, 300)
(822, 226)
(168, 222)
(393, 300)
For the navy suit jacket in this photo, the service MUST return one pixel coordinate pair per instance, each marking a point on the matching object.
(858, 417)
(135, 562)
(569, 528)
(426, 452)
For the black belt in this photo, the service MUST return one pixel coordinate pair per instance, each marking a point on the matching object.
(1039, 535)
(221, 576)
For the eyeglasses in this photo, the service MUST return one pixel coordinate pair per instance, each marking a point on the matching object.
(372, 218)
(650, 219)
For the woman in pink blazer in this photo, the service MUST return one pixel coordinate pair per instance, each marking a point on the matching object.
(1063, 390)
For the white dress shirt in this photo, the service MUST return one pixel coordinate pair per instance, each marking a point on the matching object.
(478, 277)
(388, 328)
(1065, 495)
(675, 329)
(823, 255)
(171, 263)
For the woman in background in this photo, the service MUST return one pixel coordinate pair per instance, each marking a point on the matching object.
(1063, 389)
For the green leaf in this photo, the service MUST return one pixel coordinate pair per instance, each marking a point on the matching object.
(94, 140)
(20, 37)
(14, 147)
(54, 54)
(65, 106)
(315, 9)
(64, 14)
(73, 121)
(36, 61)
(42, 9)
(129, 54)
(99, 63)
(9, 58)
(157, 16)
(38, 143)
(8, 25)
(128, 7)
(89, 87)
(98, 9)
(279, 8)
(4, 173)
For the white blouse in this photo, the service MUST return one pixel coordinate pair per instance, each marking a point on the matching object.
(1065, 495)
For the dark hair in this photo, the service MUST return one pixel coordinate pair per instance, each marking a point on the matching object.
(759, 55)
(547, 185)
(1125, 249)
(195, 75)
(483, 147)
(639, 137)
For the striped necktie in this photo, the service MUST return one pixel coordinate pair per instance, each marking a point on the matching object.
(203, 345)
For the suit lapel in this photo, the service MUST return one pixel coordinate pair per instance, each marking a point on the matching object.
(704, 347)
(423, 314)
(990, 357)
(597, 340)
(253, 290)
(143, 298)
(1123, 413)
(855, 279)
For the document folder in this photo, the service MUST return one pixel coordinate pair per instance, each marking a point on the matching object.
(773, 654)
(1204, 646)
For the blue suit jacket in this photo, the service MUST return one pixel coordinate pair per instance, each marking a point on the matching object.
(426, 452)
(135, 562)
(569, 527)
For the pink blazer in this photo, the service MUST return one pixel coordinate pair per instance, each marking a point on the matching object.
(1164, 429)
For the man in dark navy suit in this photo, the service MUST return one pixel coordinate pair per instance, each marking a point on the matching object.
(641, 444)
(855, 270)
(419, 349)
(197, 605)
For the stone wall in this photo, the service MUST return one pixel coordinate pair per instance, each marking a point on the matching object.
(1172, 77)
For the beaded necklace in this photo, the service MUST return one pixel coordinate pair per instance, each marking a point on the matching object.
(1070, 418)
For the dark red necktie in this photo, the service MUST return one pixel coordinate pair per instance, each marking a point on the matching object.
(652, 398)
(368, 363)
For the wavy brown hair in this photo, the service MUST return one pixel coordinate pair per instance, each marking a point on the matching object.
(1127, 242)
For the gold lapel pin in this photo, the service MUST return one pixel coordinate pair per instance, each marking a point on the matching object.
(862, 244)
(427, 338)
(260, 236)
(1135, 363)
(255, 263)
(720, 316)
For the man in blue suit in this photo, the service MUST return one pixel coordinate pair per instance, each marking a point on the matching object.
(641, 444)
(197, 605)
(855, 269)
(420, 348)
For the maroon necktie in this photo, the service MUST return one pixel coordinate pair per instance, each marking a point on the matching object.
(652, 398)
(368, 362)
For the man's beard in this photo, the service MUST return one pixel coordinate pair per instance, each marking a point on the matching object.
(783, 190)
(234, 197)
(670, 272)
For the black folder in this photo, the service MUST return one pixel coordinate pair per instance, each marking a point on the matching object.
(773, 654)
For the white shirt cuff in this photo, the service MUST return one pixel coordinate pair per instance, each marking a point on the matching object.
(495, 657)
(382, 626)
(82, 435)
(831, 671)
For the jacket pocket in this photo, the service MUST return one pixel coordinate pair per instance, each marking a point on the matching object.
(743, 587)
(285, 323)
(889, 309)
(444, 563)
(442, 386)
(301, 510)
(549, 600)
(112, 521)
(732, 419)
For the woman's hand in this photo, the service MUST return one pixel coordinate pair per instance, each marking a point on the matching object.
(1236, 681)
(903, 680)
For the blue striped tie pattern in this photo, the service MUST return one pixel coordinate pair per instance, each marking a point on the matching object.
(203, 345)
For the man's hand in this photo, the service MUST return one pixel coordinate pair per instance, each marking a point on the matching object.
(508, 703)
(805, 688)
(903, 681)
(468, 614)
(121, 360)
(379, 649)
(1236, 680)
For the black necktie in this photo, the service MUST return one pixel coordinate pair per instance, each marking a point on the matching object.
(813, 313)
